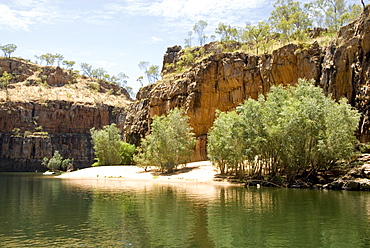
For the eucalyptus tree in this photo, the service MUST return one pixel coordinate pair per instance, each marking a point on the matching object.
(120, 79)
(8, 49)
(100, 73)
(188, 39)
(199, 30)
(48, 58)
(334, 13)
(86, 69)
(151, 71)
(227, 32)
(288, 17)
(59, 58)
(69, 64)
(259, 34)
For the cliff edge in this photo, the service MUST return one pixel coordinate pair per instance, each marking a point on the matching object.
(221, 76)
(44, 109)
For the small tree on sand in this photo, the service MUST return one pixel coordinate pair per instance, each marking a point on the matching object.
(170, 143)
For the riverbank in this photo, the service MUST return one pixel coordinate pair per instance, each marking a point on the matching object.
(198, 172)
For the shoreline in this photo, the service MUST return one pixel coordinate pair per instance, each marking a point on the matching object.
(198, 172)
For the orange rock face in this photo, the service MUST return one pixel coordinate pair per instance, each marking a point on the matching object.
(224, 80)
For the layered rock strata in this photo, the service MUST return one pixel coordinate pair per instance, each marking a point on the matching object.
(223, 80)
(31, 131)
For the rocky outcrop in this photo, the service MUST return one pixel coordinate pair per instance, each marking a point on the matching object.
(357, 178)
(49, 108)
(57, 116)
(215, 78)
(222, 80)
(35, 131)
(21, 69)
(31, 131)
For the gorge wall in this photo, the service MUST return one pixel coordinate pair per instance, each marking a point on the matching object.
(51, 109)
(223, 80)
(32, 131)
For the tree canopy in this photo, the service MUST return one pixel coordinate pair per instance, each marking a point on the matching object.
(57, 163)
(199, 28)
(151, 71)
(290, 131)
(109, 147)
(8, 49)
(289, 20)
(170, 142)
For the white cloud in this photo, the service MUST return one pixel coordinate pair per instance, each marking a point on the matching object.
(182, 14)
(193, 9)
(11, 19)
(155, 39)
(21, 15)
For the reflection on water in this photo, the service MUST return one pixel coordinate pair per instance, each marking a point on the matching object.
(43, 212)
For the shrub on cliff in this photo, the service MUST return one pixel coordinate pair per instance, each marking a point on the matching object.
(109, 147)
(169, 144)
(292, 130)
(57, 163)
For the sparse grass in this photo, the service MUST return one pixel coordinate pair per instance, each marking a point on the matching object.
(80, 93)
(81, 90)
(188, 57)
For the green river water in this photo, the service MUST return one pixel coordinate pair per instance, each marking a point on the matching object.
(39, 211)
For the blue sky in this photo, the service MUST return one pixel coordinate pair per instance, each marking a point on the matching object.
(116, 34)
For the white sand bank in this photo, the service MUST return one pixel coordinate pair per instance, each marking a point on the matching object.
(202, 172)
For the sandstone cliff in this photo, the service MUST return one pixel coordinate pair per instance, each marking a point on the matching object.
(49, 108)
(222, 80)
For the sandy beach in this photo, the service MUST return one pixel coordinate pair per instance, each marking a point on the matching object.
(198, 172)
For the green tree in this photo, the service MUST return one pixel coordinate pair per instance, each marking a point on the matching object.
(86, 69)
(107, 143)
(333, 13)
(127, 152)
(151, 71)
(226, 32)
(48, 58)
(169, 144)
(140, 80)
(120, 79)
(292, 130)
(199, 30)
(5, 79)
(289, 18)
(69, 64)
(100, 73)
(57, 163)
(8, 49)
(259, 34)
(59, 58)
(225, 145)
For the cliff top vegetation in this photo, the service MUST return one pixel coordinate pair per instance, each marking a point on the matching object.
(27, 81)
